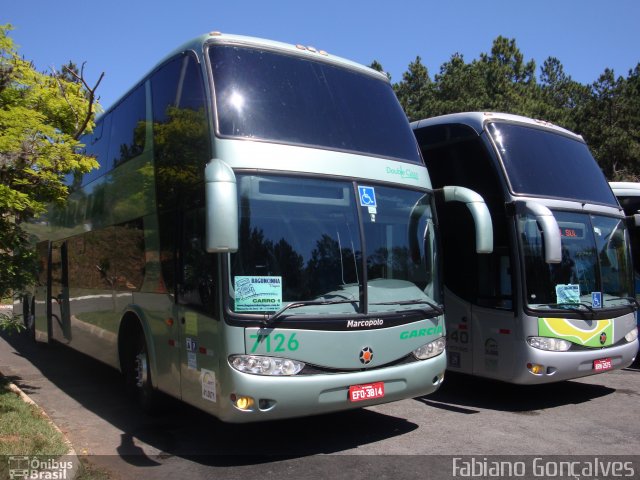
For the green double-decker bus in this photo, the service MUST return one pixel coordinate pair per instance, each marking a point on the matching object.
(259, 240)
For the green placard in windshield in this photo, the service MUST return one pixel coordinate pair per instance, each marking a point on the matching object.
(258, 294)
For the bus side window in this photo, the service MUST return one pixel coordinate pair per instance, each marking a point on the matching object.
(180, 130)
(181, 150)
(128, 128)
(97, 145)
(197, 267)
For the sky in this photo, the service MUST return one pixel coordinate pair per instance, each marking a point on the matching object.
(126, 38)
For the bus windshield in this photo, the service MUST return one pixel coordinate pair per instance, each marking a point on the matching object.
(594, 270)
(538, 162)
(310, 240)
(264, 95)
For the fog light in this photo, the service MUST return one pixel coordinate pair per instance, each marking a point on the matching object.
(535, 368)
(242, 402)
(632, 336)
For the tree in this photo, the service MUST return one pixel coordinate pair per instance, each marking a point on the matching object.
(509, 81)
(413, 90)
(42, 116)
(459, 87)
(610, 124)
(377, 66)
(606, 113)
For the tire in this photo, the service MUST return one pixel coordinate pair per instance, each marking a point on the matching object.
(137, 373)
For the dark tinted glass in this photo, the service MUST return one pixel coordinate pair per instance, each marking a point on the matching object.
(97, 146)
(197, 283)
(164, 89)
(595, 258)
(128, 128)
(456, 155)
(180, 130)
(289, 99)
(539, 162)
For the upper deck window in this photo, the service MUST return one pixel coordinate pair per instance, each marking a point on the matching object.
(548, 164)
(264, 95)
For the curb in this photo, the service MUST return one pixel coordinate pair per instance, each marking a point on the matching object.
(69, 457)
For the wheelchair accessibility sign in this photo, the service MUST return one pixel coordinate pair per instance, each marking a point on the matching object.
(367, 196)
(596, 299)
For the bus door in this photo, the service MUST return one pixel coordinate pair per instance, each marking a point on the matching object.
(493, 319)
(493, 342)
(42, 295)
(459, 333)
(199, 339)
(60, 313)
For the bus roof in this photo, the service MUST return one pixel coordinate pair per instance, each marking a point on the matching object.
(625, 189)
(478, 120)
(197, 45)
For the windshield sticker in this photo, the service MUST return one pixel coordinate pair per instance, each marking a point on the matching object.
(258, 294)
(596, 299)
(367, 196)
(569, 293)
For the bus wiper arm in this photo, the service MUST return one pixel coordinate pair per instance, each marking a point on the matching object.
(571, 306)
(632, 300)
(269, 320)
(439, 309)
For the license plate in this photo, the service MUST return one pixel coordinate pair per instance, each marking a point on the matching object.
(359, 393)
(602, 364)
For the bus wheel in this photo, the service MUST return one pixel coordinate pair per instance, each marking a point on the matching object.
(138, 374)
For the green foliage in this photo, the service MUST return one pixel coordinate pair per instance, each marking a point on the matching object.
(414, 91)
(24, 430)
(10, 323)
(606, 113)
(41, 118)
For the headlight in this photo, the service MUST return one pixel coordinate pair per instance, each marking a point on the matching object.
(551, 344)
(259, 365)
(432, 349)
(632, 336)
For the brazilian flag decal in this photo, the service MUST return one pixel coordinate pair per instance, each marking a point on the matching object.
(590, 333)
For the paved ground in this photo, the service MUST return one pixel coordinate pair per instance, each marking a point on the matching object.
(596, 416)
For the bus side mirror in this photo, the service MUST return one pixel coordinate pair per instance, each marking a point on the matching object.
(636, 220)
(550, 231)
(221, 196)
(479, 211)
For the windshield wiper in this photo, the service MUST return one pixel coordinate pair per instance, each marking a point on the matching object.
(569, 306)
(439, 309)
(574, 306)
(270, 319)
(632, 300)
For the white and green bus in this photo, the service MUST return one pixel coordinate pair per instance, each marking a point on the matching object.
(259, 240)
(628, 194)
(555, 298)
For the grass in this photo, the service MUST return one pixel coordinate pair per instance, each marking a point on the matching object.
(89, 471)
(23, 428)
(25, 431)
